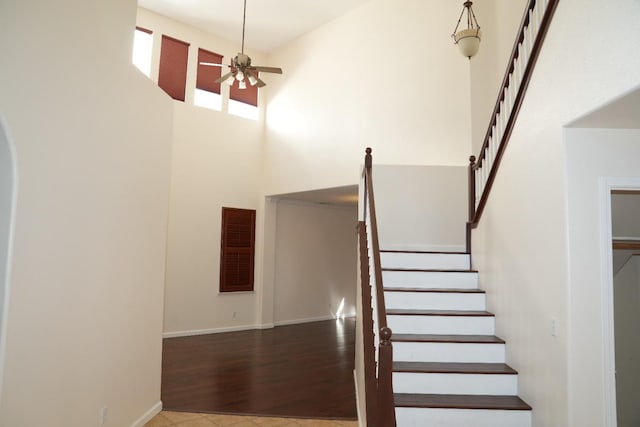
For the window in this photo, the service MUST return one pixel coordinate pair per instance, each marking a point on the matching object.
(142, 47)
(237, 249)
(207, 93)
(172, 77)
(243, 102)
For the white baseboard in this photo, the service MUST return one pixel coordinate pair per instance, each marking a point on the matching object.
(423, 248)
(177, 334)
(309, 319)
(147, 416)
(266, 326)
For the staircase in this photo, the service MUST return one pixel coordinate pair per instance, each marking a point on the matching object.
(448, 366)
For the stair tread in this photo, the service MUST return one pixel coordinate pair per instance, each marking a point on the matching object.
(417, 312)
(473, 339)
(454, 368)
(460, 401)
(397, 251)
(429, 270)
(437, 290)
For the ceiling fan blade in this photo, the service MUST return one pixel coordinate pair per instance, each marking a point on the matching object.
(276, 70)
(213, 64)
(225, 77)
(260, 83)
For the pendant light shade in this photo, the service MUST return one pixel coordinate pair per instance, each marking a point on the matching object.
(467, 39)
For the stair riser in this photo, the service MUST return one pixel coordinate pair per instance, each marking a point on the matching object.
(435, 300)
(425, 261)
(479, 384)
(448, 352)
(430, 279)
(444, 325)
(421, 417)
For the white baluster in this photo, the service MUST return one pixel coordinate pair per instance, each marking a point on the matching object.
(521, 63)
(519, 70)
(532, 26)
(494, 145)
(509, 98)
(487, 167)
(526, 42)
(499, 121)
(478, 189)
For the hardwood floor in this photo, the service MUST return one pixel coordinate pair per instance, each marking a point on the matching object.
(292, 371)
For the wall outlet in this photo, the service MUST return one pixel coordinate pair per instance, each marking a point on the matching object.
(103, 415)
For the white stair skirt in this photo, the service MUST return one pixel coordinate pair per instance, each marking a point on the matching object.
(425, 261)
(435, 300)
(445, 325)
(448, 352)
(423, 417)
(436, 383)
(429, 279)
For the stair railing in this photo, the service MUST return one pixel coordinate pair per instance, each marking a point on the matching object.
(378, 351)
(483, 171)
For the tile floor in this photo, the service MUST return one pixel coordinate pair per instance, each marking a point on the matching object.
(188, 419)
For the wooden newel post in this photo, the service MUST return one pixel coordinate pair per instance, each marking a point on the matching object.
(472, 188)
(385, 380)
(472, 199)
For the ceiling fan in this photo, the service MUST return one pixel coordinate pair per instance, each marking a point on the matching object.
(241, 68)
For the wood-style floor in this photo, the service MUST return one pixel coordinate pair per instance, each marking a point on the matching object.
(301, 371)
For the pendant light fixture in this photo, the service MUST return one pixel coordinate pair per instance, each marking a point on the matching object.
(468, 40)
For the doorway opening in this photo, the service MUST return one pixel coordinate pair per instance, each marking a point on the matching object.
(625, 232)
(7, 209)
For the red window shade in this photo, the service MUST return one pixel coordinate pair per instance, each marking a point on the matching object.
(237, 249)
(207, 75)
(248, 95)
(173, 67)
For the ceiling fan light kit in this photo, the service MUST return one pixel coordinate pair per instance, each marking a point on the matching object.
(241, 68)
(468, 39)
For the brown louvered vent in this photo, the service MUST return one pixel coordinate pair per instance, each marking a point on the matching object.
(237, 249)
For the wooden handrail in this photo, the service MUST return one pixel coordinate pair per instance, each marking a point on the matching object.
(521, 64)
(378, 378)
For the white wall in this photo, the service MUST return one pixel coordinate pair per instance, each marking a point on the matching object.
(520, 246)
(500, 21)
(315, 261)
(93, 151)
(591, 154)
(421, 207)
(385, 75)
(626, 291)
(216, 163)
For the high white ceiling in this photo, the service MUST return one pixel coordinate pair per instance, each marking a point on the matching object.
(270, 23)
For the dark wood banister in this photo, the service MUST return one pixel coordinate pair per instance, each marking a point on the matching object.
(476, 213)
(378, 387)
